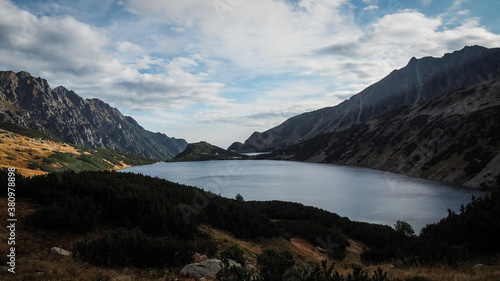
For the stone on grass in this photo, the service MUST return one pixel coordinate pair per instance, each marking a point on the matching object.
(57, 254)
(207, 269)
(479, 266)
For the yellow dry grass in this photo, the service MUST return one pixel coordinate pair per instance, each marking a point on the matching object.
(19, 151)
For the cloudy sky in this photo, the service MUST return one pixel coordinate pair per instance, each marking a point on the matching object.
(218, 70)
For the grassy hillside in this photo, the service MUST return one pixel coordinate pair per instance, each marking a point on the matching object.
(123, 226)
(35, 153)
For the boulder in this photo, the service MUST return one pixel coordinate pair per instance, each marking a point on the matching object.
(57, 254)
(207, 269)
(478, 266)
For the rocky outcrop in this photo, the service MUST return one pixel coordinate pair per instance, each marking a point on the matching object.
(61, 113)
(206, 269)
(416, 83)
(454, 137)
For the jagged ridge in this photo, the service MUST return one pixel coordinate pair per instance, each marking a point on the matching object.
(419, 81)
(453, 137)
(61, 113)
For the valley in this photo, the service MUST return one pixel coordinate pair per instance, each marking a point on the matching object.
(435, 118)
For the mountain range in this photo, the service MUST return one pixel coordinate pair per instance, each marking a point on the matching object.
(454, 137)
(416, 83)
(63, 114)
(436, 118)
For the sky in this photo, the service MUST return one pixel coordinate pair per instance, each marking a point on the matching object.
(219, 70)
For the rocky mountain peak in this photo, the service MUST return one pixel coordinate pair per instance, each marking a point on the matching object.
(417, 82)
(62, 113)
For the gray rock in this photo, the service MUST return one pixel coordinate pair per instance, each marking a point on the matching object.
(206, 269)
(57, 254)
(421, 80)
(31, 102)
(479, 266)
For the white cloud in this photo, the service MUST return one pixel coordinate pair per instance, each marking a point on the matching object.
(79, 56)
(129, 47)
(261, 35)
(208, 68)
(370, 8)
(457, 4)
(392, 40)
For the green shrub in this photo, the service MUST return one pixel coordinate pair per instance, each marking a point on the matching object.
(274, 265)
(233, 252)
(207, 247)
(69, 214)
(123, 247)
(230, 273)
(358, 274)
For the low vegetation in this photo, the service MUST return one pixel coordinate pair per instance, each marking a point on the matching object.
(459, 237)
(35, 153)
(123, 220)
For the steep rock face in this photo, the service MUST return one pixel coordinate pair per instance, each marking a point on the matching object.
(419, 81)
(454, 137)
(61, 113)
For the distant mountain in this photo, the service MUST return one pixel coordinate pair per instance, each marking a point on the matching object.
(416, 83)
(202, 151)
(454, 137)
(241, 148)
(61, 113)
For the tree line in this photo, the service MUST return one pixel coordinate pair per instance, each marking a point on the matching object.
(145, 212)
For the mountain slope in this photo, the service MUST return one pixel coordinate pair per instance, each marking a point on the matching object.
(453, 137)
(61, 113)
(202, 151)
(419, 81)
(34, 153)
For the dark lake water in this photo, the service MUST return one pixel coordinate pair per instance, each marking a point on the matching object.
(357, 193)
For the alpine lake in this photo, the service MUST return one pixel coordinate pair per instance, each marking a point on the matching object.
(357, 193)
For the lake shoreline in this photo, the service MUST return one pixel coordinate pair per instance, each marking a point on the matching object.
(374, 196)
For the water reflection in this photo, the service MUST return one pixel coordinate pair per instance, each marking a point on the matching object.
(360, 194)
